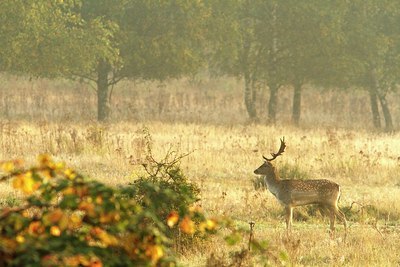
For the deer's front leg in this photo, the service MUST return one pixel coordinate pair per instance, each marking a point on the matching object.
(289, 216)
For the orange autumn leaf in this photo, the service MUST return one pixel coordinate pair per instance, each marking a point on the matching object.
(70, 174)
(83, 260)
(72, 261)
(81, 191)
(106, 238)
(95, 263)
(172, 218)
(88, 207)
(47, 174)
(208, 224)
(59, 165)
(55, 216)
(55, 231)
(11, 165)
(154, 252)
(187, 225)
(26, 183)
(35, 227)
(69, 191)
(20, 239)
(99, 200)
(74, 221)
(7, 166)
(44, 160)
(108, 217)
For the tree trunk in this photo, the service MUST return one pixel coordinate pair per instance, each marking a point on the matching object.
(386, 113)
(273, 97)
(103, 105)
(296, 111)
(376, 118)
(250, 97)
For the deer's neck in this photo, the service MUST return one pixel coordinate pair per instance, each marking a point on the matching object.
(273, 182)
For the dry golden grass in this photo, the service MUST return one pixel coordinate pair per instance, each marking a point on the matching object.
(217, 101)
(209, 121)
(221, 163)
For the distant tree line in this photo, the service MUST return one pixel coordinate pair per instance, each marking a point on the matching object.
(267, 43)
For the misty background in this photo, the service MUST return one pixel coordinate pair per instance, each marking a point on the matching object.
(306, 63)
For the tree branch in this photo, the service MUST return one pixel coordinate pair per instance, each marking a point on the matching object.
(90, 80)
(84, 77)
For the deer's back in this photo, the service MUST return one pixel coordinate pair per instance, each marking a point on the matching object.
(320, 185)
(302, 192)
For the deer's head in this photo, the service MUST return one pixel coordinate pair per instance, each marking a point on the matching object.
(267, 168)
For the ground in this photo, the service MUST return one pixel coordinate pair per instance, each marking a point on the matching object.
(222, 160)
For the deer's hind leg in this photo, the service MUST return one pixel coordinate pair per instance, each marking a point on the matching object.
(342, 217)
(332, 216)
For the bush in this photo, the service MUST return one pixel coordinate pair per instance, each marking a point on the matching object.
(165, 187)
(67, 219)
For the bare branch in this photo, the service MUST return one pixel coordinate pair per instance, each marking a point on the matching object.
(84, 77)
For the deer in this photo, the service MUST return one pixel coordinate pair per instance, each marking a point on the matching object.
(294, 193)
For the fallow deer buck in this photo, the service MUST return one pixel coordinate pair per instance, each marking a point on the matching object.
(293, 193)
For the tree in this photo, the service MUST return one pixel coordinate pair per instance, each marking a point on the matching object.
(299, 46)
(102, 41)
(46, 38)
(269, 53)
(233, 49)
(248, 46)
(338, 44)
(308, 43)
(156, 40)
(270, 43)
(372, 44)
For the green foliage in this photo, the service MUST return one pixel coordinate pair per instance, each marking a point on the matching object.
(67, 219)
(163, 39)
(49, 38)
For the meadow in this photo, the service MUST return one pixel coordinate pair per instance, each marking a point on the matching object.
(207, 119)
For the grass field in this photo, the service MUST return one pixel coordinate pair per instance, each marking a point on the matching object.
(223, 156)
(221, 163)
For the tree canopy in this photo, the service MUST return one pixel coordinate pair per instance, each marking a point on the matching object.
(48, 38)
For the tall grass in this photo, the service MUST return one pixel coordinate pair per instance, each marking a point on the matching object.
(211, 101)
(208, 120)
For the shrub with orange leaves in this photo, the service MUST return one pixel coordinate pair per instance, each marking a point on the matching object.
(67, 219)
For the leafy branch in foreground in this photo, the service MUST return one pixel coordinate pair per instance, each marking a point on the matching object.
(66, 219)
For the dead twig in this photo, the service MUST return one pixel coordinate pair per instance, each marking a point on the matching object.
(251, 237)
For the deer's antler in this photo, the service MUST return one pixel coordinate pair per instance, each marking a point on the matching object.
(281, 150)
